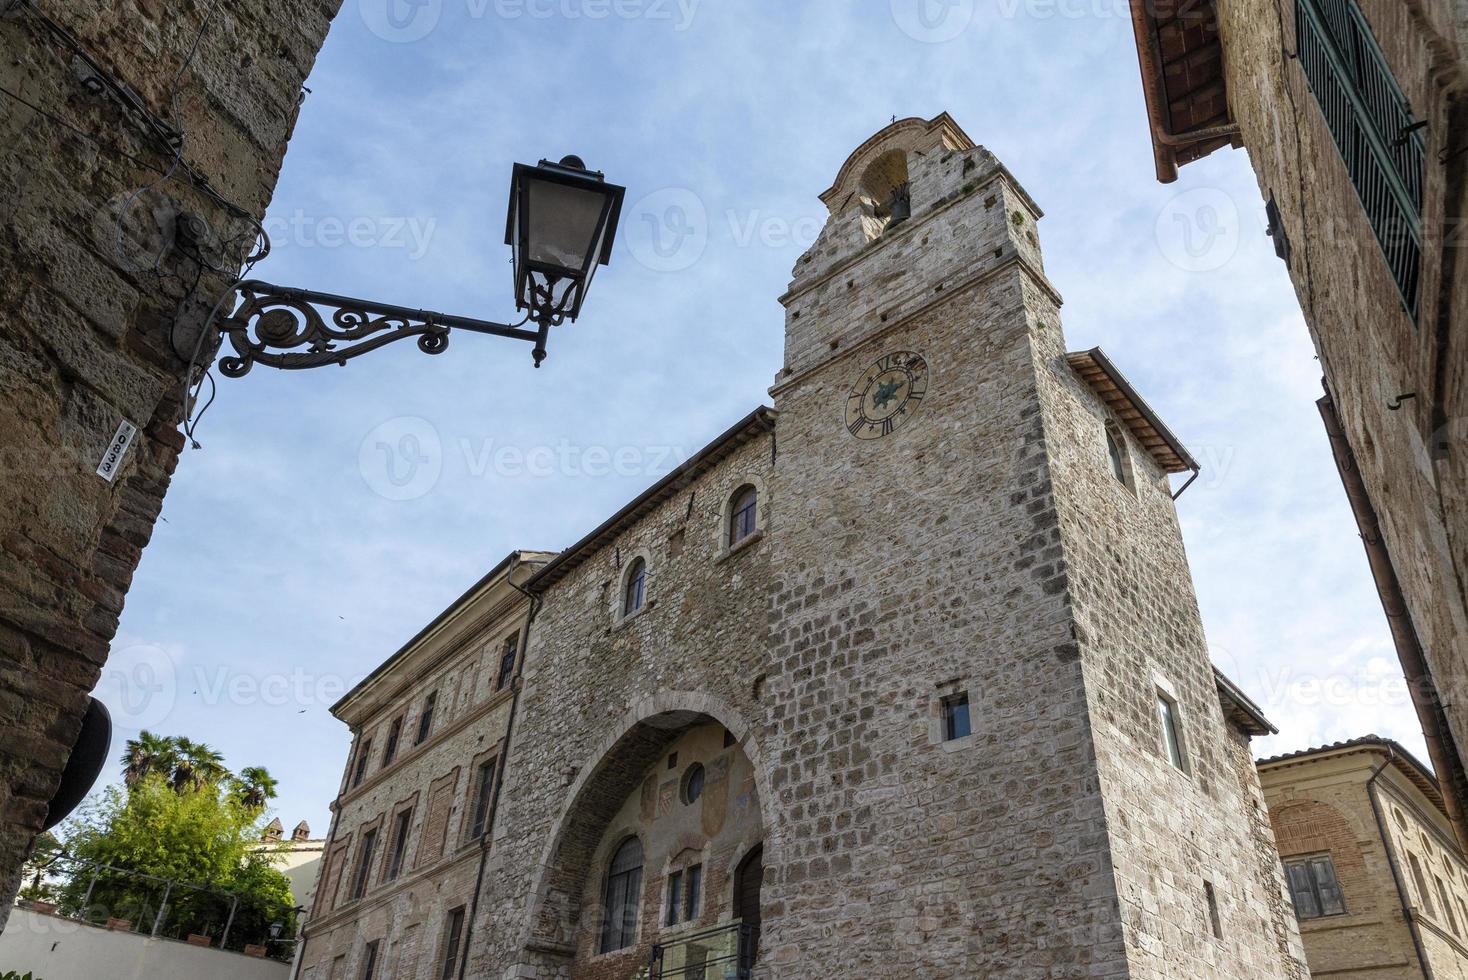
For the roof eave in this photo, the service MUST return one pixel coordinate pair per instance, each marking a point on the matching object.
(1252, 719)
(1144, 27)
(1408, 764)
(489, 580)
(761, 420)
(1103, 363)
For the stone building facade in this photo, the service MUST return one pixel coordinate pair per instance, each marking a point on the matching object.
(408, 836)
(1379, 882)
(141, 143)
(902, 677)
(1353, 116)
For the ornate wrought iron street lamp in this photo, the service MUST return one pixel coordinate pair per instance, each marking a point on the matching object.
(562, 223)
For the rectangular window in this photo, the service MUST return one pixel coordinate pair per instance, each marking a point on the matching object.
(956, 723)
(425, 720)
(452, 935)
(483, 796)
(1421, 883)
(1373, 128)
(1172, 739)
(694, 890)
(1215, 921)
(675, 897)
(364, 864)
(394, 732)
(369, 960)
(399, 843)
(1442, 893)
(507, 661)
(363, 757)
(1313, 887)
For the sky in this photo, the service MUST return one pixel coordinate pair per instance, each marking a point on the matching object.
(332, 513)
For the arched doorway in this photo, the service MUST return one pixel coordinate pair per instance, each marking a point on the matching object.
(681, 785)
(748, 878)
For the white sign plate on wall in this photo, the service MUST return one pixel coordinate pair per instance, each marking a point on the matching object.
(116, 450)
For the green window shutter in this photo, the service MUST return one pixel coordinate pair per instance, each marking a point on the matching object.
(1372, 127)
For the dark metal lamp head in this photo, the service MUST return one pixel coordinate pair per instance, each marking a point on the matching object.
(562, 224)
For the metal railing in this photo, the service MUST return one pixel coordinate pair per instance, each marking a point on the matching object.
(1373, 128)
(132, 901)
(722, 953)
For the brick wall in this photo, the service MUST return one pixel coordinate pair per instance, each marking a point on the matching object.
(1320, 805)
(435, 781)
(90, 332)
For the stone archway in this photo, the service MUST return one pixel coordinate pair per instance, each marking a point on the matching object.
(633, 786)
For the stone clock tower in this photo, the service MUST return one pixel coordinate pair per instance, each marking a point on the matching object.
(999, 744)
(902, 679)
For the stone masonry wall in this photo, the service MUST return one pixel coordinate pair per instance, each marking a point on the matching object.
(90, 331)
(592, 684)
(1139, 632)
(1414, 460)
(925, 564)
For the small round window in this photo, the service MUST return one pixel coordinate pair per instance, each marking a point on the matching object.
(693, 783)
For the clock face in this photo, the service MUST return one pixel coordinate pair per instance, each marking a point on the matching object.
(887, 394)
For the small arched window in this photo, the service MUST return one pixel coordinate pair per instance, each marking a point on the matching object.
(743, 515)
(623, 897)
(693, 784)
(1116, 452)
(635, 591)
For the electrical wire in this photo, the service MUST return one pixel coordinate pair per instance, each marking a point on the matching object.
(172, 139)
(178, 152)
(191, 388)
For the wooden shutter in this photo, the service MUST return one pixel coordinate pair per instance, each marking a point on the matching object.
(1369, 120)
(436, 823)
(1306, 907)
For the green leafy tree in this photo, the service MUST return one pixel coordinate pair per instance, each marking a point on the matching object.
(36, 872)
(254, 787)
(197, 765)
(196, 833)
(146, 755)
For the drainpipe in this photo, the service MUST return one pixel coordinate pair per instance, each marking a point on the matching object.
(499, 776)
(1440, 745)
(1228, 131)
(1391, 860)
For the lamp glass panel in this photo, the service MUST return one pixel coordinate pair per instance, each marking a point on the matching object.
(564, 223)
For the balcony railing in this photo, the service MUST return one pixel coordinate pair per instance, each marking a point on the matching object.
(722, 953)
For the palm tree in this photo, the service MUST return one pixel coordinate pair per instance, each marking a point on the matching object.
(148, 754)
(255, 787)
(197, 766)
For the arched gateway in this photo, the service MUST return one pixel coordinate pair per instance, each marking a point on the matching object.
(654, 868)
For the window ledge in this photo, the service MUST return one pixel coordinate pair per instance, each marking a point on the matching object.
(957, 744)
(749, 541)
(687, 926)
